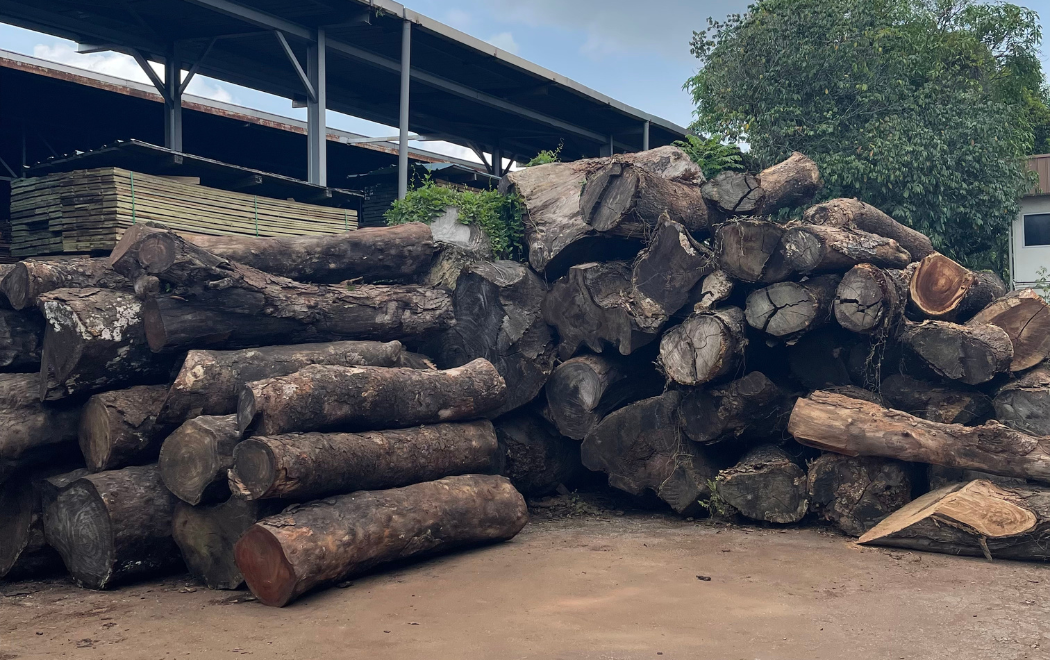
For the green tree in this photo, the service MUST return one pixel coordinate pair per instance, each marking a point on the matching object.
(924, 108)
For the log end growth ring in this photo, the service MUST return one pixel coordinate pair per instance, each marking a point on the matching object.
(265, 568)
(253, 468)
(938, 285)
(157, 253)
(80, 530)
(188, 467)
(15, 286)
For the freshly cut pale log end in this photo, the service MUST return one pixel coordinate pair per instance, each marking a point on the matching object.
(1025, 403)
(1025, 317)
(117, 428)
(856, 493)
(704, 347)
(765, 485)
(859, 215)
(715, 288)
(936, 403)
(869, 300)
(748, 250)
(788, 309)
(195, 458)
(938, 285)
(536, 458)
(972, 354)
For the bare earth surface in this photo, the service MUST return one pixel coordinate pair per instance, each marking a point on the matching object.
(587, 586)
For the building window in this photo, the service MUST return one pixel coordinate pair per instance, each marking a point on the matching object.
(1037, 229)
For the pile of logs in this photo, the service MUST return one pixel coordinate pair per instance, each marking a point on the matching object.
(286, 413)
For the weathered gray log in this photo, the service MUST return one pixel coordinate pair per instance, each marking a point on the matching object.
(118, 428)
(748, 406)
(704, 347)
(21, 339)
(855, 214)
(856, 493)
(30, 279)
(1024, 404)
(792, 182)
(749, 250)
(870, 300)
(625, 200)
(667, 270)
(972, 354)
(821, 248)
(1025, 317)
(324, 542)
(330, 398)
(766, 485)
(113, 527)
(987, 287)
(934, 402)
(534, 456)
(32, 433)
(196, 457)
(734, 193)
(449, 263)
(789, 309)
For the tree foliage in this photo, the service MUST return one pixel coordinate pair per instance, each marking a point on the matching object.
(924, 108)
(712, 154)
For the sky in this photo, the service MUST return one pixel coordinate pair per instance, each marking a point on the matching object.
(636, 52)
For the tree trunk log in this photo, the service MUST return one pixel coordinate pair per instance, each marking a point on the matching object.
(790, 309)
(535, 457)
(748, 406)
(935, 403)
(328, 398)
(307, 466)
(857, 428)
(1024, 404)
(113, 527)
(734, 193)
(118, 428)
(765, 485)
(372, 254)
(32, 433)
(975, 519)
(972, 354)
(818, 248)
(790, 183)
(938, 286)
(749, 250)
(871, 300)
(449, 262)
(21, 340)
(95, 341)
(30, 279)
(498, 318)
(195, 459)
(24, 553)
(324, 542)
(713, 289)
(628, 201)
(987, 287)
(1025, 317)
(667, 270)
(855, 214)
(704, 347)
(855, 494)
(940, 476)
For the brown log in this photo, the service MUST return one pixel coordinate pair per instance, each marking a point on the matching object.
(665, 272)
(749, 250)
(33, 433)
(1025, 317)
(934, 402)
(114, 527)
(328, 541)
(856, 493)
(987, 287)
(704, 347)
(713, 289)
(625, 200)
(789, 309)
(820, 248)
(95, 341)
(330, 398)
(371, 254)
(734, 193)
(975, 519)
(871, 300)
(764, 485)
(210, 381)
(1024, 404)
(306, 466)
(748, 406)
(855, 214)
(792, 182)
(535, 457)
(938, 286)
(196, 457)
(30, 279)
(117, 428)
(21, 340)
(972, 354)
(642, 449)
(498, 317)
(857, 428)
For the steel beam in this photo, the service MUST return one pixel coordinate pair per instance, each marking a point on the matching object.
(645, 136)
(406, 80)
(316, 117)
(172, 103)
(256, 17)
(304, 77)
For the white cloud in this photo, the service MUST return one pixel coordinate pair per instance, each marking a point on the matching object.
(459, 19)
(505, 41)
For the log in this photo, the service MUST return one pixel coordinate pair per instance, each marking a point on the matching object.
(535, 457)
(749, 250)
(583, 390)
(765, 485)
(118, 428)
(665, 272)
(371, 254)
(33, 433)
(498, 317)
(21, 340)
(819, 248)
(114, 527)
(870, 300)
(307, 466)
(209, 382)
(196, 457)
(747, 407)
(975, 519)
(206, 536)
(857, 428)
(32, 278)
(324, 542)
(987, 287)
(641, 448)
(792, 182)
(449, 263)
(938, 286)
(95, 341)
(972, 354)
(734, 193)
(855, 214)
(936, 403)
(1025, 317)
(713, 289)
(1024, 404)
(940, 476)
(331, 398)
(704, 347)
(625, 200)
(789, 309)
(856, 493)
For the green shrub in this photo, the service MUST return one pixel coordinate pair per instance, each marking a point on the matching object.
(546, 156)
(711, 155)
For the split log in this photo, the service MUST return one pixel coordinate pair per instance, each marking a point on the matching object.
(113, 527)
(32, 278)
(713, 289)
(870, 300)
(21, 340)
(1025, 317)
(790, 309)
(117, 428)
(765, 485)
(307, 466)
(792, 182)
(704, 347)
(975, 519)
(855, 214)
(667, 270)
(817, 248)
(938, 286)
(628, 201)
(972, 354)
(936, 403)
(748, 406)
(206, 536)
(195, 459)
(1024, 404)
(498, 317)
(856, 493)
(330, 398)
(32, 433)
(642, 449)
(749, 250)
(857, 428)
(535, 457)
(324, 542)
(372, 254)
(95, 341)
(210, 381)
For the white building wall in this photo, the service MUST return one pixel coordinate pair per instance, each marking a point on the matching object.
(1026, 261)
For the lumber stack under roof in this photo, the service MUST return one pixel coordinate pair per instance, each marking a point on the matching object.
(88, 210)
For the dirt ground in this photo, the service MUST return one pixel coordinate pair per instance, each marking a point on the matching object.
(595, 585)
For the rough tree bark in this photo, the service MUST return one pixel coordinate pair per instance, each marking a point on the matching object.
(855, 214)
(534, 456)
(195, 459)
(870, 300)
(1025, 317)
(667, 270)
(21, 340)
(790, 309)
(704, 347)
(749, 250)
(972, 354)
(33, 433)
(934, 402)
(816, 248)
(765, 485)
(30, 279)
(118, 428)
(856, 493)
(751, 405)
(1024, 404)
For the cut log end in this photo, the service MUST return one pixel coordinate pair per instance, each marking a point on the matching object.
(265, 568)
(255, 474)
(938, 285)
(15, 286)
(95, 433)
(79, 528)
(157, 252)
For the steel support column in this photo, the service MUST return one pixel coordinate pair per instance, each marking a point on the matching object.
(173, 102)
(497, 161)
(406, 79)
(608, 149)
(316, 116)
(645, 136)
